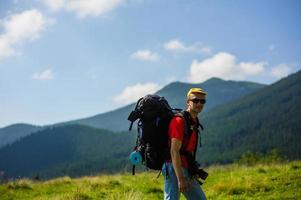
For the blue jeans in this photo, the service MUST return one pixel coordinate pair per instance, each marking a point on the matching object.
(171, 190)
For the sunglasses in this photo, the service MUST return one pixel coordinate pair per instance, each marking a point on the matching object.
(196, 100)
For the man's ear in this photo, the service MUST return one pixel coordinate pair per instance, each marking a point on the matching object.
(187, 103)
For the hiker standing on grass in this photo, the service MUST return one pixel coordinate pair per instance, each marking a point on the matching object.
(176, 171)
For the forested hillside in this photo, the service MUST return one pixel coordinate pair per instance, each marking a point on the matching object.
(266, 119)
(72, 150)
(14, 132)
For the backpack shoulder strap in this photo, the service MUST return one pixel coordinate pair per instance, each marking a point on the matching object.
(199, 124)
(185, 116)
(198, 131)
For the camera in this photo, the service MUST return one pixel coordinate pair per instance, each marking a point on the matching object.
(202, 174)
(196, 172)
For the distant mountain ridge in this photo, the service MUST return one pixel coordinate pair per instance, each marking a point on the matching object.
(15, 132)
(219, 92)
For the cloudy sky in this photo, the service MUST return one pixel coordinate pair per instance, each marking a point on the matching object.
(68, 59)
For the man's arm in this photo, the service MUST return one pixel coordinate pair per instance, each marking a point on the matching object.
(176, 161)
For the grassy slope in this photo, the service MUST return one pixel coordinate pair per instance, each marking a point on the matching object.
(275, 181)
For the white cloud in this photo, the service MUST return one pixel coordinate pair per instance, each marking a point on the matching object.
(132, 93)
(206, 50)
(6, 49)
(54, 5)
(84, 8)
(145, 55)
(175, 45)
(280, 71)
(19, 28)
(249, 68)
(44, 75)
(225, 66)
(178, 46)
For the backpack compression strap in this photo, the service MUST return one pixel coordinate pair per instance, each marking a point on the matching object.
(134, 115)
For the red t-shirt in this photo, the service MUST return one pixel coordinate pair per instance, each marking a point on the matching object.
(176, 130)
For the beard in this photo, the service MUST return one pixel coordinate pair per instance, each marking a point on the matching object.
(198, 109)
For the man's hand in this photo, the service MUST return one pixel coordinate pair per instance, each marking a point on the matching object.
(183, 185)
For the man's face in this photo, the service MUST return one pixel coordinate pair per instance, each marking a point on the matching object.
(196, 102)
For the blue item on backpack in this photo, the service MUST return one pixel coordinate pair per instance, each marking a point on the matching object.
(135, 158)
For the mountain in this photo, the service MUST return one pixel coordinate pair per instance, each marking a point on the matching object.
(15, 132)
(72, 150)
(219, 92)
(266, 119)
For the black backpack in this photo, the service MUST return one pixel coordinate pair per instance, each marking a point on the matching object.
(155, 114)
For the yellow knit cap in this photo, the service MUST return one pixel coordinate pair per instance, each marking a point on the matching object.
(196, 90)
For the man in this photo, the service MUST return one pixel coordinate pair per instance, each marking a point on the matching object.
(175, 171)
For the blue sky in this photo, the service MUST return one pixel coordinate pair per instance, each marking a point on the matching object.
(62, 60)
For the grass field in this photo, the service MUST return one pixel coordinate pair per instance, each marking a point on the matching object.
(268, 181)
